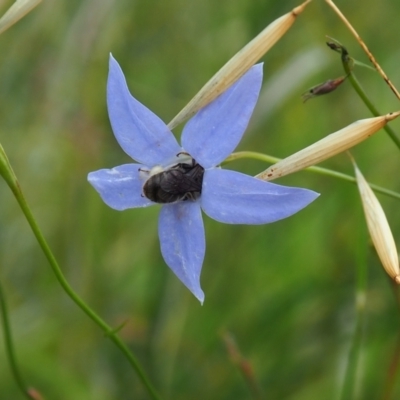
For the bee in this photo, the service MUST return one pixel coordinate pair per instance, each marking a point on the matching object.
(181, 182)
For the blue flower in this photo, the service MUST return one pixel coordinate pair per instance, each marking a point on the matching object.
(207, 139)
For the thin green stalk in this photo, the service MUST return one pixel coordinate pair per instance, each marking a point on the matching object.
(348, 391)
(8, 343)
(348, 63)
(360, 91)
(243, 365)
(322, 171)
(394, 365)
(9, 176)
(393, 371)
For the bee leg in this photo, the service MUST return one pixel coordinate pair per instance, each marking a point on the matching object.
(183, 152)
(191, 196)
(143, 173)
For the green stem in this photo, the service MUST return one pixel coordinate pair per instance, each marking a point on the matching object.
(322, 171)
(393, 369)
(244, 367)
(350, 378)
(391, 378)
(9, 176)
(360, 91)
(109, 332)
(8, 343)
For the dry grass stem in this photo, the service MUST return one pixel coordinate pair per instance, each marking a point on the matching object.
(238, 64)
(364, 47)
(327, 147)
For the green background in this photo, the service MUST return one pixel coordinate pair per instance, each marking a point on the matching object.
(285, 291)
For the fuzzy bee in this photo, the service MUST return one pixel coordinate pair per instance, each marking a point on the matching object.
(180, 182)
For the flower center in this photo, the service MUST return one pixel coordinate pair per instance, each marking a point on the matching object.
(180, 182)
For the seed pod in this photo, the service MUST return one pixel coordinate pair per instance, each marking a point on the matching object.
(378, 228)
(327, 147)
(16, 11)
(239, 64)
(323, 88)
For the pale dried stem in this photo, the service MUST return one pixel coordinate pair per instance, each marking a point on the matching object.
(364, 47)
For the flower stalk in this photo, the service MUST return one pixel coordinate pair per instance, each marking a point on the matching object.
(9, 176)
(319, 170)
(364, 47)
(10, 352)
(353, 360)
(348, 66)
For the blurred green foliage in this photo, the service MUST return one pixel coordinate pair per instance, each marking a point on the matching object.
(285, 291)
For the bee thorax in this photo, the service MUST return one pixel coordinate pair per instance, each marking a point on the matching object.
(178, 183)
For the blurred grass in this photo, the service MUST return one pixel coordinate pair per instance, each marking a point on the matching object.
(285, 291)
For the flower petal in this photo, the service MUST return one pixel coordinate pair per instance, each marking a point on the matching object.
(140, 133)
(235, 198)
(182, 240)
(215, 131)
(120, 187)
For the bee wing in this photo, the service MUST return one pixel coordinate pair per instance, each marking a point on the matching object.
(194, 179)
(181, 180)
